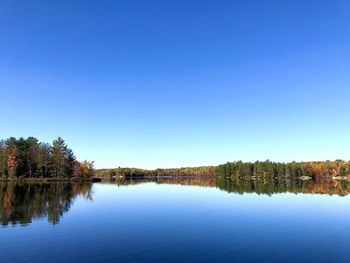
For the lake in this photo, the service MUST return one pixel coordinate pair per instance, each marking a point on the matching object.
(175, 220)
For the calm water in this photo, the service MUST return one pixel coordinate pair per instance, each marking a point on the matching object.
(175, 221)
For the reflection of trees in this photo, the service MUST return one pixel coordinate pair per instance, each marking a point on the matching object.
(20, 203)
(23, 202)
(259, 186)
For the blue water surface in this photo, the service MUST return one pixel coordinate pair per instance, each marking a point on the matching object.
(160, 222)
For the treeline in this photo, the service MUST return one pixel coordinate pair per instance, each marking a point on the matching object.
(275, 169)
(239, 169)
(204, 171)
(29, 158)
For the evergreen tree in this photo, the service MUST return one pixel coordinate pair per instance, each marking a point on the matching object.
(62, 158)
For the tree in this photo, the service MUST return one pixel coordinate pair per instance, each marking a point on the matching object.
(44, 160)
(62, 158)
(12, 162)
(3, 158)
(83, 169)
(32, 155)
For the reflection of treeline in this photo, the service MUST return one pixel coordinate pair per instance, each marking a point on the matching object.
(20, 203)
(198, 181)
(284, 185)
(31, 158)
(240, 169)
(251, 185)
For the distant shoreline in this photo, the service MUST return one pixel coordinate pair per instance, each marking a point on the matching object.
(101, 178)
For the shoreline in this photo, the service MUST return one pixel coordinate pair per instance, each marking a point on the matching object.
(99, 179)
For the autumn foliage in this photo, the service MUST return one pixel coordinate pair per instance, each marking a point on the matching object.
(12, 161)
(21, 158)
(83, 169)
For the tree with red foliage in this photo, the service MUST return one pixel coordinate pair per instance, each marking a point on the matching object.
(83, 169)
(12, 162)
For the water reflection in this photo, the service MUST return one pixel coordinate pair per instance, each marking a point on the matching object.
(251, 185)
(23, 202)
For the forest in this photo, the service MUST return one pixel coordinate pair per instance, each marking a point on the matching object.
(239, 169)
(268, 169)
(29, 158)
(203, 171)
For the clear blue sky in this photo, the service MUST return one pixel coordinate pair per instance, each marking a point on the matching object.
(178, 83)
